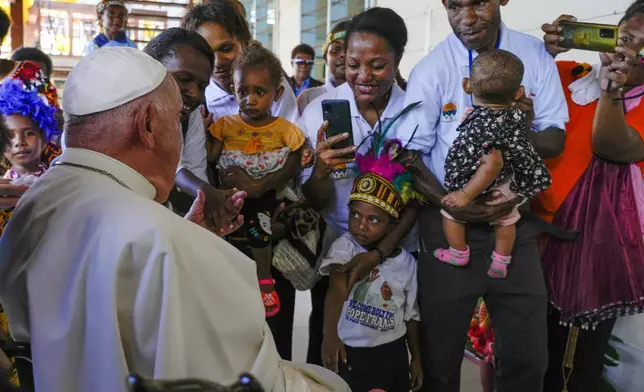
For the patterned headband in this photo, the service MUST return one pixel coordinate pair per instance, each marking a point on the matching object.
(106, 3)
(377, 191)
(331, 37)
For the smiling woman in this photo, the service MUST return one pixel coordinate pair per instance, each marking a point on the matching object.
(112, 18)
(375, 41)
(223, 25)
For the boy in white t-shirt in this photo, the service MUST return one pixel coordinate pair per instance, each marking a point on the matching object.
(366, 336)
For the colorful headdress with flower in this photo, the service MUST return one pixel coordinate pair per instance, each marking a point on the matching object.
(384, 182)
(32, 77)
(16, 99)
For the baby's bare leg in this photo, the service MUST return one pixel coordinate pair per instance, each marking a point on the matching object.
(458, 253)
(454, 233)
(505, 237)
(502, 255)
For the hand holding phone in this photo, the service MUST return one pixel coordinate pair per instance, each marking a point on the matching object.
(327, 157)
(552, 35)
(337, 113)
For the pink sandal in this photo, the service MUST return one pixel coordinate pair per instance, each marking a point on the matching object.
(271, 300)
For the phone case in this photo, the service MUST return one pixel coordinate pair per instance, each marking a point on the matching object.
(338, 113)
(589, 36)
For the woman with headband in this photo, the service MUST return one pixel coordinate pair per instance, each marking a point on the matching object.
(334, 56)
(112, 18)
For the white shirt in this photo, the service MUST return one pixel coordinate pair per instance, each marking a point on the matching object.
(437, 82)
(379, 305)
(104, 281)
(193, 153)
(336, 214)
(220, 103)
(310, 94)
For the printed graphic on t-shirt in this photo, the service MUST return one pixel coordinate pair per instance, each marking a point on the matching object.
(371, 303)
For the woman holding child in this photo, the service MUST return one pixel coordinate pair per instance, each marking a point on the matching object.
(375, 42)
(224, 27)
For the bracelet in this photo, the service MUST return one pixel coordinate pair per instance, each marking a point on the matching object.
(381, 254)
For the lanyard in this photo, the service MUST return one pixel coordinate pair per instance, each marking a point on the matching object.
(471, 60)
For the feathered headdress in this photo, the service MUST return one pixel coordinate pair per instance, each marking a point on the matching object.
(15, 99)
(384, 182)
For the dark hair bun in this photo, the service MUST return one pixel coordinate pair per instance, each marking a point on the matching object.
(383, 22)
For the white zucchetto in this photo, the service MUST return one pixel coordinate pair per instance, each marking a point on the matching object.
(110, 77)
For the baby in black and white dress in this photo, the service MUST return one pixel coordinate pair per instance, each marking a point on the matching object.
(491, 155)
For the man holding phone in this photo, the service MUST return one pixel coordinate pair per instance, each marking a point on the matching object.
(517, 304)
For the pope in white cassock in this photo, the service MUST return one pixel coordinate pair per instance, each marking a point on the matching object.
(103, 280)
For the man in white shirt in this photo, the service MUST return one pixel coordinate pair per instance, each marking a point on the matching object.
(103, 280)
(517, 304)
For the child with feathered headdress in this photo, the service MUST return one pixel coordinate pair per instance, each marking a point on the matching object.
(367, 334)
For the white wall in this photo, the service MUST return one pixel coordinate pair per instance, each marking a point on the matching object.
(287, 31)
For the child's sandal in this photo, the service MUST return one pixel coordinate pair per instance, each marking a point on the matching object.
(271, 300)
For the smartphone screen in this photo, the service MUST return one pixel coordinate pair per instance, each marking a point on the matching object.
(338, 113)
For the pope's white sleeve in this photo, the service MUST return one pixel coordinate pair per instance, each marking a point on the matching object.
(550, 108)
(189, 282)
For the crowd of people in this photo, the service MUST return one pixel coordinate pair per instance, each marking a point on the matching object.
(161, 219)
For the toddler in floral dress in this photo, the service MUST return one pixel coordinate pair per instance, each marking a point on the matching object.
(259, 143)
(493, 156)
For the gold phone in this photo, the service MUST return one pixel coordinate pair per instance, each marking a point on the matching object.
(589, 36)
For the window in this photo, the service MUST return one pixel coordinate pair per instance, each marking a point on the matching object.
(84, 29)
(54, 32)
(261, 18)
(318, 17)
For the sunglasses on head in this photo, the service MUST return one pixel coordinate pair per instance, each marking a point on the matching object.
(303, 61)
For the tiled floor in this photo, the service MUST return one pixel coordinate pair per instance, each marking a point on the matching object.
(470, 373)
